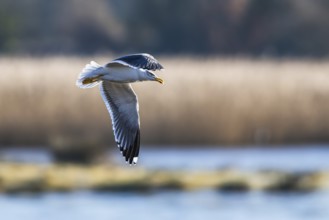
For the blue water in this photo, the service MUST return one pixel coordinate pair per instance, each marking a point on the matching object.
(290, 158)
(194, 205)
(166, 205)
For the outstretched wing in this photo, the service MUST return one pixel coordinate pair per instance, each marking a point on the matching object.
(122, 104)
(143, 61)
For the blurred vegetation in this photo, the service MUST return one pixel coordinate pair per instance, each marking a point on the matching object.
(203, 102)
(228, 27)
(22, 178)
(220, 101)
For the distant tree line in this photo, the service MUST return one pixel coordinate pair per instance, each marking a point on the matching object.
(223, 27)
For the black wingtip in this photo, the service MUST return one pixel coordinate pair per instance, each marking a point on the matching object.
(131, 153)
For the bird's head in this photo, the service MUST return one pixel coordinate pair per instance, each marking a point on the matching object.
(152, 77)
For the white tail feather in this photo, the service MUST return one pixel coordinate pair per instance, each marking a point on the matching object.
(91, 70)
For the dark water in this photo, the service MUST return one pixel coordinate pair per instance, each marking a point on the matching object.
(182, 205)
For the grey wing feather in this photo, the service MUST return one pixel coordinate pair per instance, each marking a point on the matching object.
(143, 61)
(122, 104)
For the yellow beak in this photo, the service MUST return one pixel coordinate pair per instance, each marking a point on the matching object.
(159, 80)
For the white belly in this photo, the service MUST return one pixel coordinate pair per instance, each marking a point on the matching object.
(122, 74)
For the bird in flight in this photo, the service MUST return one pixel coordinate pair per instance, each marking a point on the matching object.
(120, 99)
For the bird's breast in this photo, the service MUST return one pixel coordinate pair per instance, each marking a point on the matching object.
(123, 75)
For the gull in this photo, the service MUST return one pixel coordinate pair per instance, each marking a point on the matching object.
(114, 80)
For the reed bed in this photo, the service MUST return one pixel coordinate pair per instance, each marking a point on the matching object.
(204, 101)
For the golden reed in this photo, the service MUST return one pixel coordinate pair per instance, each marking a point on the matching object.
(204, 101)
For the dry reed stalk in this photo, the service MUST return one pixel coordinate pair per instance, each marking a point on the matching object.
(203, 101)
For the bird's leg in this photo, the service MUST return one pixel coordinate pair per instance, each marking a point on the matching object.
(91, 79)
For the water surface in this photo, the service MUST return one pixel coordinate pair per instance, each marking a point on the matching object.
(290, 158)
(165, 206)
(193, 205)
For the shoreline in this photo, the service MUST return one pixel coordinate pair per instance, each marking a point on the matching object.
(30, 178)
